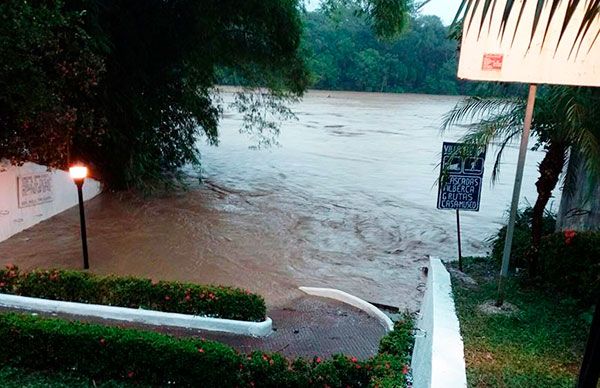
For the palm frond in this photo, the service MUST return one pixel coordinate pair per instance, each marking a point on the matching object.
(496, 169)
(475, 108)
(511, 7)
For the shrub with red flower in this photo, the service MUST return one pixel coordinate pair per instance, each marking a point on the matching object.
(569, 236)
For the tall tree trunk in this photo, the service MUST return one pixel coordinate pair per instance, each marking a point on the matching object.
(550, 169)
(580, 203)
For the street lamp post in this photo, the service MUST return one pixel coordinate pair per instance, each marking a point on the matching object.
(78, 174)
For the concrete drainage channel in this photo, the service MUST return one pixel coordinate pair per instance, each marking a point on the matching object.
(150, 317)
(438, 357)
(352, 300)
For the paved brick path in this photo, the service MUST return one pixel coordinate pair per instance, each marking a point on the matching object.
(315, 326)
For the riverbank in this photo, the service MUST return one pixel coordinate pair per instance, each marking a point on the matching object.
(537, 340)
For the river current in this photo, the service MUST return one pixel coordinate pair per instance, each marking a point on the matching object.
(352, 189)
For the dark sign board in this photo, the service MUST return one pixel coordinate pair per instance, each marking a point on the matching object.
(460, 179)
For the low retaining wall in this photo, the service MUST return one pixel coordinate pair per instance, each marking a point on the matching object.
(438, 357)
(149, 317)
(30, 194)
(352, 301)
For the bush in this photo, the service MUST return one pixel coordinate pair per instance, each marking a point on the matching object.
(141, 357)
(185, 298)
(521, 238)
(570, 263)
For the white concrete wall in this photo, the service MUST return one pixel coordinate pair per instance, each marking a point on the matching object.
(438, 357)
(14, 219)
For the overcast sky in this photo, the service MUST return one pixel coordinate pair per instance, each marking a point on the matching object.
(445, 9)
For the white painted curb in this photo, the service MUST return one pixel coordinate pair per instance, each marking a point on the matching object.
(438, 357)
(150, 317)
(353, 301)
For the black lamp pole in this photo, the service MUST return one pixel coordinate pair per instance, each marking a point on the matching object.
(79, 184)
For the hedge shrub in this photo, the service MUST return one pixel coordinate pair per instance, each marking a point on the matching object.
(570, 264)
(521, 238)
(83, 287)
(149, 358)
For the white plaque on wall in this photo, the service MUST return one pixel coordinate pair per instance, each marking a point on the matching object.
(35, 189)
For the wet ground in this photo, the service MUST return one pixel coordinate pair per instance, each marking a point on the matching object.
(347, 201)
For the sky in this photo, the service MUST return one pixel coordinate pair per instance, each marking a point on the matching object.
(445, 9)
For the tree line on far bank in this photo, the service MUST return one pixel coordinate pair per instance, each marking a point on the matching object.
(342, 52)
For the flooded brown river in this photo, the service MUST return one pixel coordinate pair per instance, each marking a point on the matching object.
(346, 201)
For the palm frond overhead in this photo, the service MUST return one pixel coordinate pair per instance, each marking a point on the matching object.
(469, 9)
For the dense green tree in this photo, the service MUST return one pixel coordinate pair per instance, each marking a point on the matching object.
(345, 54)
(127, 86)
(157, 90)
(50, 68)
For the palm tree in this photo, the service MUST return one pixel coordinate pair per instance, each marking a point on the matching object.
(566, 120)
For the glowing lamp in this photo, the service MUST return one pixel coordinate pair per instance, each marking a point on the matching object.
(78, 172)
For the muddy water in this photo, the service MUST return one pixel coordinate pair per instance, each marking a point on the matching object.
(347, 201)
(353, 185)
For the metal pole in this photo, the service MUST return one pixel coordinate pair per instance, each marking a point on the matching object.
(516, 193)
(589, 374)
(460, 260)
(79, 183)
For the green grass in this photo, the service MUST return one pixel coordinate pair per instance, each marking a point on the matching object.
(11, 377)
(540, 345)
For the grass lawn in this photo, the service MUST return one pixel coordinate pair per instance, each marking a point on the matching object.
(539, 345)
(11, 377)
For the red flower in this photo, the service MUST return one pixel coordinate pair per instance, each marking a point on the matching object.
(2, 284)
(167, 298)
(102, 341)
(188, 298)
(200, 350)
(569, 235)
(354, 359)
(405, 369)
(318, 360)
(130, 374)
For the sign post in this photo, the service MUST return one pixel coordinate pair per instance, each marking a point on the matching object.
(461, 178)
(460, 260)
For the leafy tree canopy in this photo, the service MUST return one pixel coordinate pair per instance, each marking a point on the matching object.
(126, 86)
